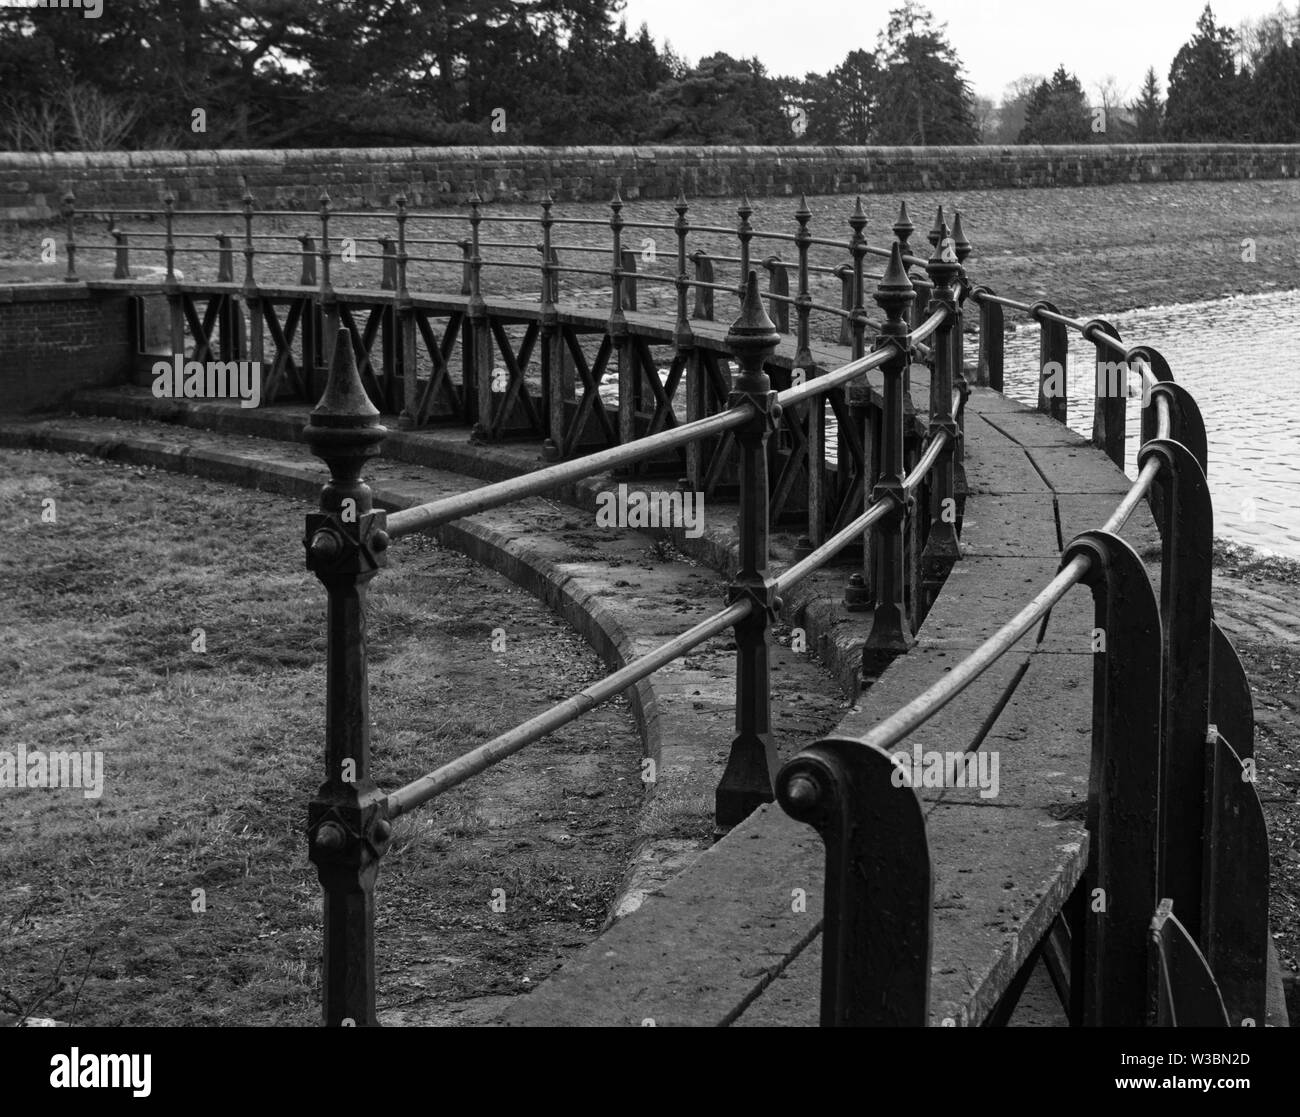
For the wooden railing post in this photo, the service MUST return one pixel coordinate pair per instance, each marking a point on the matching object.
(1110, 987)
(1108, 416)
(989, 369)
(876, 936)
(121, 255)
(751, 766)
(891, 631)
(778, 283)
(347, 825)
(1053, 358)
(703, 308)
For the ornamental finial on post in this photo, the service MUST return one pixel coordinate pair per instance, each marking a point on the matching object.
(753, 338)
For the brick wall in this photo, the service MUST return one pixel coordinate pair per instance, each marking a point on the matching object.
(31, 185)
(55, 339)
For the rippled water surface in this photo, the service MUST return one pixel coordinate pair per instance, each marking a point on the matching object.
(1240, 358)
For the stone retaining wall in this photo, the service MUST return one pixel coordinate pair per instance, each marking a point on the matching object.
(31, 185)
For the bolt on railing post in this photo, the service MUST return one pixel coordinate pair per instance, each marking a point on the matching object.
(876, 938)
(815, 408)
(404, 310)
(941, 549)
(751, 766)
(684, 343)
(1108, 418)
(1053, 364)
(121, 255)
(69, 206)
(891, 632)
(1120, 880)
(347, 825)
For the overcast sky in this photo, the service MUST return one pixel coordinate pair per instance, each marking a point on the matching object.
(996, 40)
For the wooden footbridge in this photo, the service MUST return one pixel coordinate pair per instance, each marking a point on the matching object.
(1120, 845)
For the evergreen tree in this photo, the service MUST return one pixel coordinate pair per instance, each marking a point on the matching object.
(1207, 96)
(723, 100)
(1057, 112)
(1275, 95)
(842, 105)
(923, 98)
(1148, 110)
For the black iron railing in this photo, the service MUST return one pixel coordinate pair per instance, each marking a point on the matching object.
(1170, 818)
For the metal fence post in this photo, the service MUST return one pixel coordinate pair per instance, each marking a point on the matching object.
(941, 549)
(1187, 535)
(876, 936)
(407, 365)
(751, 766)
(251, 295)
(557, 376)
(814, 409)
(1119, 884)
(69, 207)
(347, 826)
(617, 328)
(891, 632)
(684, 343)
(479, 332)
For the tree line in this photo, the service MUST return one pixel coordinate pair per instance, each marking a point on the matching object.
(372, 73)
